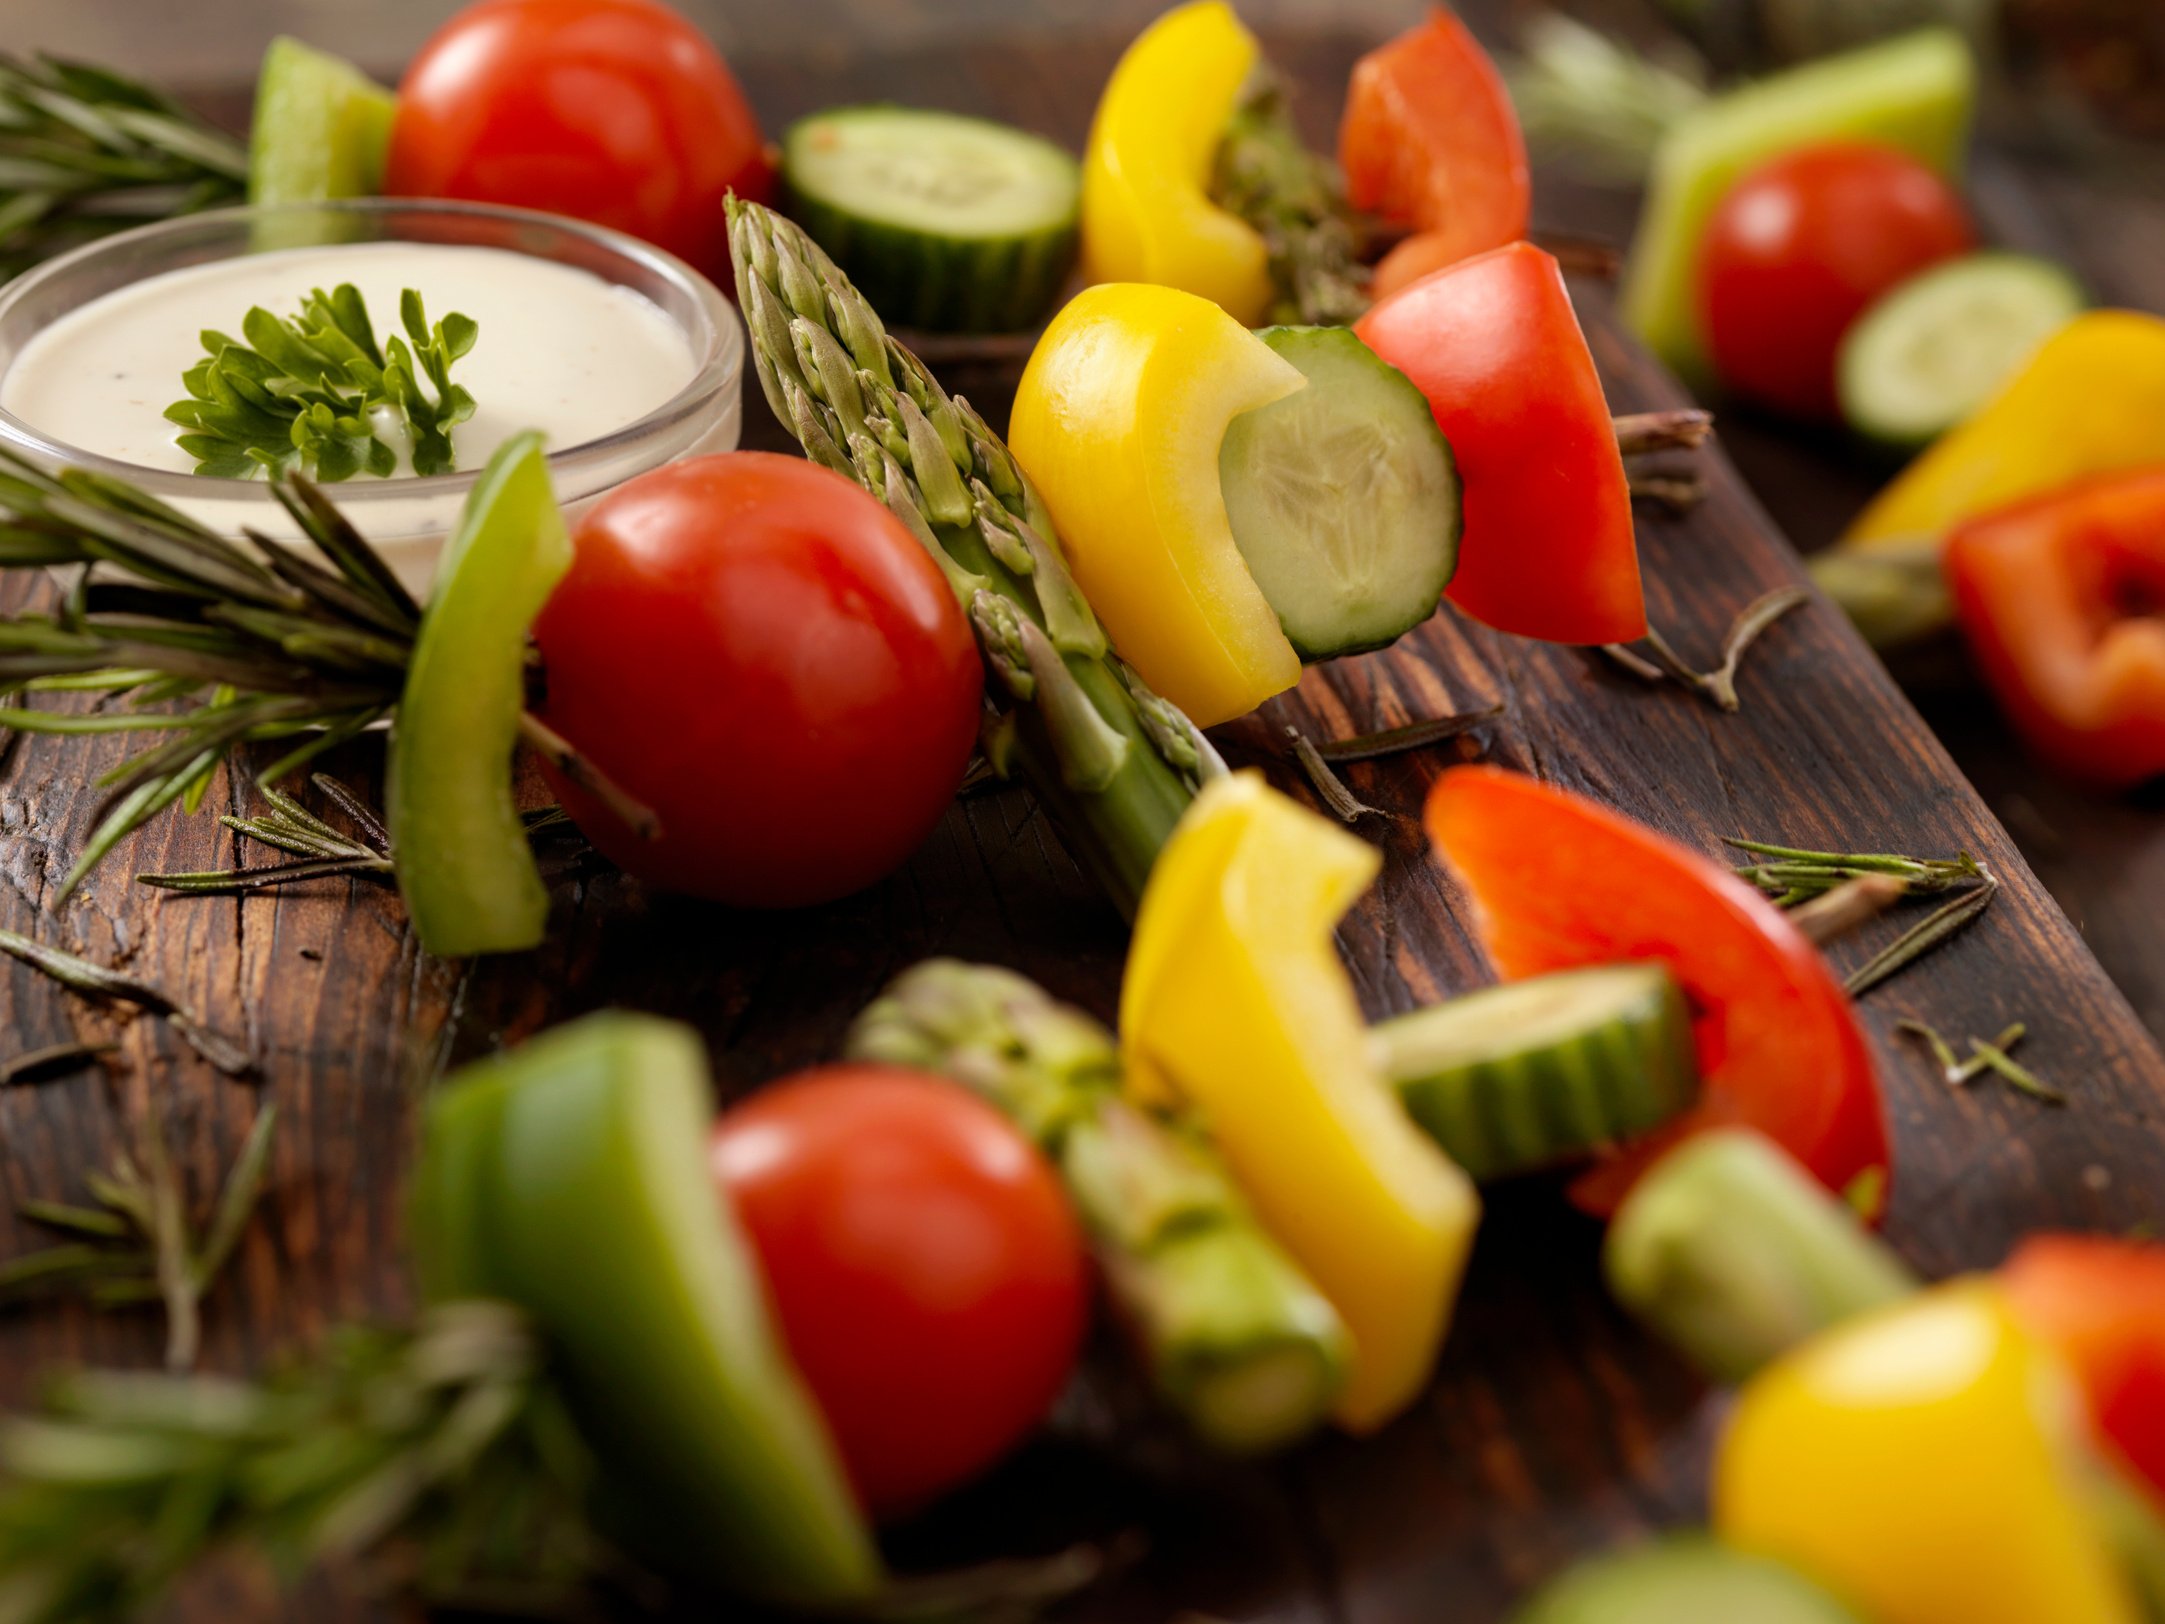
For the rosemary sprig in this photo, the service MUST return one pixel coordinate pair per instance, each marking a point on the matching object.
(1994, 1057)
(440, 1454)
(138, 1245)
(1921, 938)
(85, 152)
(306, 393)
(229, 1055)
(1718, 686)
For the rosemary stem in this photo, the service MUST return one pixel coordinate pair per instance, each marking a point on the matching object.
(565, 757)
(1852, 903)
(1684, 429)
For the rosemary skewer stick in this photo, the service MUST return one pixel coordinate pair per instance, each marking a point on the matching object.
(1349, 807)
(1841, 910)
(1718, 686)
(1681, 429)
(1413, 736)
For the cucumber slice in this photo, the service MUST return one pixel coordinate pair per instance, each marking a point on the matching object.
(1684, 1579)
(1936, 348)
(321, 128)
(1343, 496)
(1532, 1073)
(946, 224)
(465, 865)
(570, 1177)
(1735, 1254)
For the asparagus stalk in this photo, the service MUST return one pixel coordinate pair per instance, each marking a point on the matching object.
(1114, 764)
(1236, 1338)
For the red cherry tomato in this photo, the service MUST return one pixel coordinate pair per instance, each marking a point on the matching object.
(1804, 245)
(1430, 140)
(1559, 882)
(762, 654)
(928, 1274)
(2102, 1304)
(614, 111)
(1549, 549)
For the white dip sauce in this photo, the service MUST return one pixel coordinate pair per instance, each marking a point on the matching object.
(560, 349)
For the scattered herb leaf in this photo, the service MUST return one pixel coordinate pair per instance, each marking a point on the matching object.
(1328, 785)
(58, 1060)
(1413, 736)
(95, 981)
(1718, 686)
(1921, 938)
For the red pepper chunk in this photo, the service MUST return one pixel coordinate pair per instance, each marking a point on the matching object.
(2062, 600)
(1494, 344)
(2101, 1303)
(1559, 883)
(1430, 141)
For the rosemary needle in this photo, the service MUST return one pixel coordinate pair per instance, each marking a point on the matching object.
(56, 1061)
(1996, 1059)
(95, 981)
(1328, 785)
(1413, 736)
(1718, 686)
(1921, 938)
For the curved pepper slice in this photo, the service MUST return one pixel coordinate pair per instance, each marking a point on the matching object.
(1928, 1462)
(2091, 400)
(1118, 421)
(1147, 214)
(1430, 140)
(1548, 550)
(1235, 1001)
(2060, 600)
(1559, 882)
(2101, 1304)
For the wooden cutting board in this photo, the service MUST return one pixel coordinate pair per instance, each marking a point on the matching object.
(1554, 1427)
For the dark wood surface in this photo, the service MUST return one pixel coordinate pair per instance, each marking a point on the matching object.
(1553, 1426)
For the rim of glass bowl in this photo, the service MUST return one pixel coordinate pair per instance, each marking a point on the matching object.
(721, 366)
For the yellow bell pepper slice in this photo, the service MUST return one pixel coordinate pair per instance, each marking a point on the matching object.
(1118, 422)
(1235, 1001)
(1929, 1463)
(1147, 215)
(2091, 401)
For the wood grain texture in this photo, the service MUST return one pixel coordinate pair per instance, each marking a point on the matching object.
(1553, 1426)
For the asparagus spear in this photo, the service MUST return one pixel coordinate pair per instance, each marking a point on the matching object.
(1237, 1340)
(1112, 762)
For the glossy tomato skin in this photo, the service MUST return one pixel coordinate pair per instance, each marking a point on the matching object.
(1804, 245)
(759, 652)
(2101, 1304)
(1559, 883)
(614, 111)
(926, 1269)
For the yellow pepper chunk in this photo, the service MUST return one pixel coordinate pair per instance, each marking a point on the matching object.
(1235, 1001)
(1929, 1463)
(1118, 422)
(2090, 401)
(1146, 209)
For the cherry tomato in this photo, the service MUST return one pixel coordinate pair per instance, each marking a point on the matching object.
(1549, 550)
(1804, 245)
(927, 1272)
(614, 111)
(1559, 882)
(2101, 1303)
(1430, 140)
(760, 653)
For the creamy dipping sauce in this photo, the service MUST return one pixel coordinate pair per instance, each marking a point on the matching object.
(559, 350)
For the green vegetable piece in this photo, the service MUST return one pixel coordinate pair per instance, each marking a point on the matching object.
(1933, 350)
(1914, 93)
(1533, 1073)
(1735, 1254)
(464, 862)
(321, 128)
(1343, 497)
(945, 223)
(1684, 1579)
(570, 1177)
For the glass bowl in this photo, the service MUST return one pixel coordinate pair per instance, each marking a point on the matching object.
(408, 518)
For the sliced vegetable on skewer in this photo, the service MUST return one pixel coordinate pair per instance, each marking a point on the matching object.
(322, 128)
(2101, 1303)
(1680, 1577)
(1235, 1002)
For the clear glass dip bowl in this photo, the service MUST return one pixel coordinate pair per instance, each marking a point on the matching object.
(407, 518)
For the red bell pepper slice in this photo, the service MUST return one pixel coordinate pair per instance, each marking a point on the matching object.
(1494, 344)
(2101, 1303)
(2062, 600)
(1430, 140)
(1558, 882)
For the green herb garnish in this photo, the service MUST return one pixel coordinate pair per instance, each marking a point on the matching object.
(307, 395)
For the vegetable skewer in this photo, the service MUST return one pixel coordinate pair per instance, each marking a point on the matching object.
(1236, 1337)
(1112, 762)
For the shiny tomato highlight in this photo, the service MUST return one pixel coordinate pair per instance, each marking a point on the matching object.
(1804, 245)
(922, 1259)
(614, 111)
(760, 653)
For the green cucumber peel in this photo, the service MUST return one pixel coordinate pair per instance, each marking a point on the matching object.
(465, 865)
(322, 128)
(570, 1177)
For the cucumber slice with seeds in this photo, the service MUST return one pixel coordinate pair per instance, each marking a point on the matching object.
(1343, 497)
(1533, 1073)
(1939, 346)
(945, 223)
